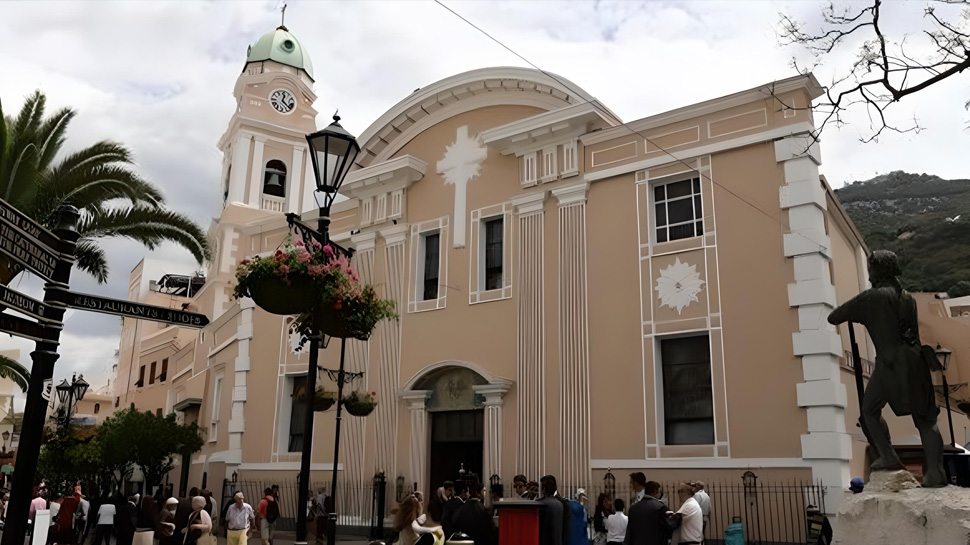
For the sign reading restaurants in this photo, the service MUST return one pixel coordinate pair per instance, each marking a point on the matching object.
(128, 309)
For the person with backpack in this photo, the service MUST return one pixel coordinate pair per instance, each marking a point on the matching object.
(269, 511)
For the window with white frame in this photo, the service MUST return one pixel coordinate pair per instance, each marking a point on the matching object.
(688, 398)
(297, 414)
(216, 402)
(529, 169)
(569, 162)
(492, 252)
(549, 164)
(677, 210)
(430, 265)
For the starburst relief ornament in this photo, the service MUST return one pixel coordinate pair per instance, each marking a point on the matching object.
(678, 285)
(462, 163)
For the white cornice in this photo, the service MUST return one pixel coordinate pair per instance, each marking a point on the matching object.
(572, 194)
(807, 82)
(549, 125)
(394, 235)
(296, 137)
(364, 241)
(397, 173)
(527, 204)
(683, 154)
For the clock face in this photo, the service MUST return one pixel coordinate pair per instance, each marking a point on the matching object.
(678, 285)
(282, 101)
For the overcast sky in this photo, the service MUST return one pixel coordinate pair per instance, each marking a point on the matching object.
(158, 76)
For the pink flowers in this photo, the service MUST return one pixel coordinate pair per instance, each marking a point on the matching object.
(298, 243)
(328, 250)
(315, 271)
(303, 256)
(316, 245)
(279, 255)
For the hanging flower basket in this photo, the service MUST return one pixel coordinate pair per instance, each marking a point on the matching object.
(323, 400)
(359, 404)
(317, 283)
(277, 296)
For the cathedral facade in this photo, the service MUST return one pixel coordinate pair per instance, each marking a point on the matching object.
(576, 295)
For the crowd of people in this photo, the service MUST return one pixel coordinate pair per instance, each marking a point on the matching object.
(458, 513)
(153, 520)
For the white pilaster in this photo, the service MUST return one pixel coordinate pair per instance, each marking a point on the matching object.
(417, 407)
(295, 181)
(574, 447)
(240, 162)
(531, 354)
(256, 176)
(244, 336)
(492, 434)
(389, 334)
(309, 186)
(826, 446)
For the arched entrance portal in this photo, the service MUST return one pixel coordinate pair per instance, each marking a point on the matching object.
(455, 423)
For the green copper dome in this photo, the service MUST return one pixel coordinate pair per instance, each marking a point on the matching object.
(282, 47)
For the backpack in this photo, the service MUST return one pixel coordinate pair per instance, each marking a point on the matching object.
(272, 511)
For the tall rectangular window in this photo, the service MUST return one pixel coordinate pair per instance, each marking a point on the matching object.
(216, 402)
(677, 210)
(687, 392)
(151, 374)
(141, 377)
(164, 373)
(493, 253)
(432, 257)
(297, 414)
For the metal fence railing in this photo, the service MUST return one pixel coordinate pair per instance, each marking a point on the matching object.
(773, 513)
(355, 504)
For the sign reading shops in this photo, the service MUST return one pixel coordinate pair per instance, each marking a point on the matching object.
(128, 309)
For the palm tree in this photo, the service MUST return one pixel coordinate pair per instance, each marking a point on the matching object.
(99, 180)
(11, 369)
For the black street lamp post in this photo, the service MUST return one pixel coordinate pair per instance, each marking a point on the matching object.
(943, 355)
(69, 395)
(332, 151)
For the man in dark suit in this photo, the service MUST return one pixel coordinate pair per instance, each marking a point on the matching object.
(450, 509)
(648, 522)
(555, 516)
(473, 519)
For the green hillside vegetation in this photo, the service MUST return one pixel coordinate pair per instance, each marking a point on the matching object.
(908, 214)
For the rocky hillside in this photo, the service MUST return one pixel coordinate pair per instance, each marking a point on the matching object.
(923, 218)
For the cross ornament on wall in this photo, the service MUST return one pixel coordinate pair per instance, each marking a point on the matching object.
(462, 163)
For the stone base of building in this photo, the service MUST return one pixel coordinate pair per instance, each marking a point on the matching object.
(894, 509)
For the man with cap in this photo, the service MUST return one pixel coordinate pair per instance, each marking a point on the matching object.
(240, 520)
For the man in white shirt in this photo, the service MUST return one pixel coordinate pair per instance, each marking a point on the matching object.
(106, 518)
(691, 520)
(704, 501)
(240, 520)
(616, 524)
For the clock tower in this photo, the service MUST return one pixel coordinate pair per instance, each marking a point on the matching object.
(265, 162)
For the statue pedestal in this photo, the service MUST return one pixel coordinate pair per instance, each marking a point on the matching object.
(892, 509)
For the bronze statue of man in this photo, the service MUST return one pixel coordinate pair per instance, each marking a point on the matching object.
(901, 376)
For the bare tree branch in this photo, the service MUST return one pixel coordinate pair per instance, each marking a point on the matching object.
(885, 69)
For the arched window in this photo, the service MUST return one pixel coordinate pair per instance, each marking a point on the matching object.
(97, 408)
(274, 179)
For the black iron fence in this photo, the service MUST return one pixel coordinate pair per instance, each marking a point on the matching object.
(356, 506)
(770, 513)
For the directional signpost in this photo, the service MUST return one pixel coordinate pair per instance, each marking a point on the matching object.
(50, 255)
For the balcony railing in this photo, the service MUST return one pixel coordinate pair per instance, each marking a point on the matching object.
(273, 204)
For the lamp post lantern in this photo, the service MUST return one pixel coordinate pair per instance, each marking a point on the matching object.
(943, 355)
(332, 152)
(6, 436)
(69, 394)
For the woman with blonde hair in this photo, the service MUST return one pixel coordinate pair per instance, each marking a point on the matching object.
(408, 525)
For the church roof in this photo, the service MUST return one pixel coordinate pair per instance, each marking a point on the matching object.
(280, 46)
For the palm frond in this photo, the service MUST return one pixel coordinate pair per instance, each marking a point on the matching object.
(52, 132)
(31, 114)
(150, 226)
(15, 372)
(92, 259)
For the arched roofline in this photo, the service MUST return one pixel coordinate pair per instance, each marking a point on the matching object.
(461, 93)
